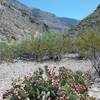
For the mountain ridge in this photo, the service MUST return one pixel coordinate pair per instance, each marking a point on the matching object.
(91, 22)
(53, 21)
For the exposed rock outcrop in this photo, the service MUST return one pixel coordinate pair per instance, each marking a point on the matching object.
(16, 20)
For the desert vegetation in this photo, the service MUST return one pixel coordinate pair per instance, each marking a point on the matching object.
(51, 44)
(48, 85)
(89, 47)
(48, 44)
(87, 42)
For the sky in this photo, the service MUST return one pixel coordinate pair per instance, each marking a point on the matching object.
(77, 9)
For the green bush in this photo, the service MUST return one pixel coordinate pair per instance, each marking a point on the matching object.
(8, 50)
(88, 40)
(47, 44)
(47, 85)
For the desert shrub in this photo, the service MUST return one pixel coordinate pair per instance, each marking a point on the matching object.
(88, 41)
(8, 50)
(54, 43)
(89, 47)
(47, 44)
(47, 85)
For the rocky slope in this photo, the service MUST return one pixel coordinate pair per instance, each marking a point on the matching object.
(69, 22)
(54, 22)
(90, 22)
(16, 20)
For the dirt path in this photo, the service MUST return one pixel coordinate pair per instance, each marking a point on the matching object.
(12, 71)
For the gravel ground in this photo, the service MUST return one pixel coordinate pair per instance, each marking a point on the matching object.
(95, 91)
(12, 71)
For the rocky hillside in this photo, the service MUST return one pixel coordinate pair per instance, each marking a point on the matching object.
(90, 22)
(16, 20)
(54, 22)
(69, 22)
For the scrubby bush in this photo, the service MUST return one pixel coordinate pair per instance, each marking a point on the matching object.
(89, 47)
(47, 85)
(8, 50)
(47, 44)
(89, 40)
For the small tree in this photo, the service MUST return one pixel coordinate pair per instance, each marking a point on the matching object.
(89, 45)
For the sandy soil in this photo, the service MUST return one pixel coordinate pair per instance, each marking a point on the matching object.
(95, 91)
(12, 71)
